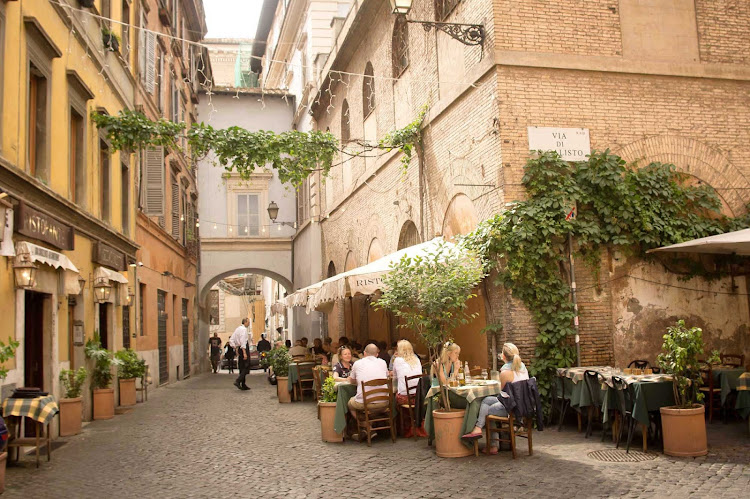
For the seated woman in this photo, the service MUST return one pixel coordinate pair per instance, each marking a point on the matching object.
(406, 364)
(513, 370)
(344, 366)
(448, 363)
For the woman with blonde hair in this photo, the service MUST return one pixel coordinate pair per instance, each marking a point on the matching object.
(448, 363)
(406, 364)
(512, 370)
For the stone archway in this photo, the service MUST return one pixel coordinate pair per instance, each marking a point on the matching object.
(706, 163)
(409, 235)
(266, 273)
(375, 251)
(460, 217)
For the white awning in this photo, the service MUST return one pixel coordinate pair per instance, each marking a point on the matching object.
(368, 279)
(46, 256)
(110, 274)
(278, 308)
(737, 242)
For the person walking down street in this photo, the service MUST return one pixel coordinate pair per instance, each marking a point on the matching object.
(263, 346)
(229, 355)
(240, 342)
(214, 344)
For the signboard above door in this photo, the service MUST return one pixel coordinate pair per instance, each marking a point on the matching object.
(108, 256)
(37, 225)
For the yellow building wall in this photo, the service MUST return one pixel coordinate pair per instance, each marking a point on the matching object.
(8, 311)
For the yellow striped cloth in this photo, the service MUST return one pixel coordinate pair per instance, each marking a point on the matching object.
(743, 382)
(41, 409)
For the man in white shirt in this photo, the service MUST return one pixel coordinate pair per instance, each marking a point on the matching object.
(366, 369)
(298, 350)
(239, 341)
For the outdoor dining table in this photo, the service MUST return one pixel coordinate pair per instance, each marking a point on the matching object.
(727, 378)
(39, 409)
(574, 386)
(467, 397)
(345, 391)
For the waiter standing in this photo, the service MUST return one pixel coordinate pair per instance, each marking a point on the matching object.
(239, 341)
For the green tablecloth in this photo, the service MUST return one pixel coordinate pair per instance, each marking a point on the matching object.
(727, 378)
(345, 392)
(293, 377)
(743, 395)
(647, 396)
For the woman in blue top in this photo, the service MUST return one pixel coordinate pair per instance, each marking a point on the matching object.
(447, 365)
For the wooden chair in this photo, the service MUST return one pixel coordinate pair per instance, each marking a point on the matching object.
(144, 386)
(410, 406)
(711, 394)
(377, 413)
(593, 380)
(508, 425)
(640, 364)
(732, 359)
(625, 403)
(305, 378)
(561, 399)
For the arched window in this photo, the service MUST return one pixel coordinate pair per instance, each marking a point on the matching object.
(345, 118)
(368, 90)
(409, 235)
(331, 269)
(400, 46)
(443, 8)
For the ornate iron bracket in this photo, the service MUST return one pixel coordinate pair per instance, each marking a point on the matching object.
(468, 34)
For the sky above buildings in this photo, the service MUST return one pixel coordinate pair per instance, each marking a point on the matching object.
(232, 18)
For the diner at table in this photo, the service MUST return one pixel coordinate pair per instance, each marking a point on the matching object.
(343, 367)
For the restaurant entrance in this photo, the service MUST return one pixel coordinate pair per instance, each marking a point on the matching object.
(104, 324)
(34, 339)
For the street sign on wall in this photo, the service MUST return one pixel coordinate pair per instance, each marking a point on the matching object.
(572, 144)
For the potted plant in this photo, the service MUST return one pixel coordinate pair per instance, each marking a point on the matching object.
(130, 368)
(7, 352)
(327, 411)
(71, 406)
(101, 378)
(279, 360)
(110, 40)
(429, 293)
(683, 425)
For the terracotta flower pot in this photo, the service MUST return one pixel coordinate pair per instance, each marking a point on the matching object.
(684, 431)
(71, 414)
(3, 460)
(282, 390)
(104, 403)
(127, 392)
(327, 412)
(448, 431)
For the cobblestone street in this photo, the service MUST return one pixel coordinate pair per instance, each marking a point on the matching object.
(203, 438)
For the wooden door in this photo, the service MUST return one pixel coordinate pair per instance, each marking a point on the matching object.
(34, 340)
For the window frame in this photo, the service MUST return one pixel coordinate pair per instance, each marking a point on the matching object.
(368, 98)
(244, 231)
(77, 173)
(43, 65)
(125, 189)
(400, 35)
(445, 12)
(346, 123)
(105, 199)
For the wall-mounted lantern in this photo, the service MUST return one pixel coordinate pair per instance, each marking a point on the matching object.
(468, 34)
(25, 271)
(102, 289)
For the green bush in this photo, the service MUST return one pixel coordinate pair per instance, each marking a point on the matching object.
(279, 359)
(7, 352)
(73, 381)
(328, 391)
(130, 365)
(101, 376)
(681, 347)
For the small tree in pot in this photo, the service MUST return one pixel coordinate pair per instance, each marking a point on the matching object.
(130, 368)
(430, 294)
(327, 411)
(279, 359)
(101, 378)
(71, 406)
(684, 426)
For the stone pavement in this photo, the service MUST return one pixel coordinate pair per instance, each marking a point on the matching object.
(204, 438)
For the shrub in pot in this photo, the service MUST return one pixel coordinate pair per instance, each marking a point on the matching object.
(429, 294)
(683, 425)
(110, 40)
(327, 411)
(279, 359)
(71, 405)
(7, 352)
(101, 378)
(129, 369)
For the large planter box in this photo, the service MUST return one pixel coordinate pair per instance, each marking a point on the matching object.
(448, 431)
(71, 415)
(684, 431)
(104, 403)
(327, 414)
(282, 390)
(127, 392)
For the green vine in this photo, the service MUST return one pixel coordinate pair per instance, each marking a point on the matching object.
(294, 155)
(405, 139)
(618, 206)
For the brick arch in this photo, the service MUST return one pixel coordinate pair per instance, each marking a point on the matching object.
(704, 162)
(350, 262)
(460, 217)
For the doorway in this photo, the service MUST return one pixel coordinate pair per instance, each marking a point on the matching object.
(161, 305)
(34, 340)
(185, 339)
(104, 324)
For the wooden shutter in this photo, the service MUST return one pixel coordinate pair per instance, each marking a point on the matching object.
(175, 209)
(154, 181)
(142, 49)
(150, 62)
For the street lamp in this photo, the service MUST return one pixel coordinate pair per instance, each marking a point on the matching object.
(25, 271)
(468, 34)
(131, 296)
(102, 289)
(273, 212)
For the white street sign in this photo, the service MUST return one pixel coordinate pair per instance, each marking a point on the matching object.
(572, 144)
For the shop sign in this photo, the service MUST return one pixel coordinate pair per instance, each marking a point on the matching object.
(572, 144)
(108, 256)
(37, 225)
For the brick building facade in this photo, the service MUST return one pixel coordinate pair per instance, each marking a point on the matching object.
(675, 94)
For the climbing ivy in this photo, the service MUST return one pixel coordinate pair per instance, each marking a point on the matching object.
(619, 205)
(294, 155)
(405, 139)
